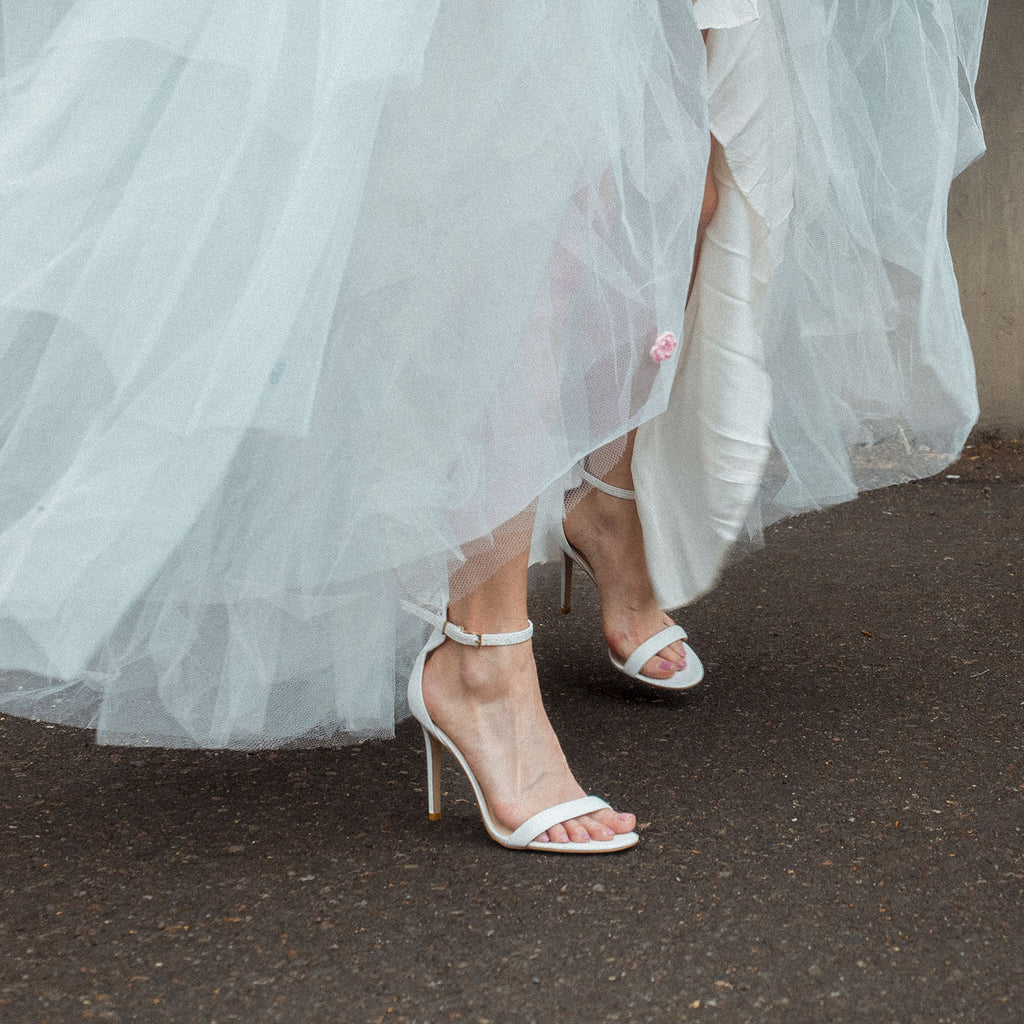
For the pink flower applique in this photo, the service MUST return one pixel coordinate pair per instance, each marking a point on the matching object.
(665, 347)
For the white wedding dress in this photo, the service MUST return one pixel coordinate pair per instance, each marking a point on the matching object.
(301, 301)
(827, 353)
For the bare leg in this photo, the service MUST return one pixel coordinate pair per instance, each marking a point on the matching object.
(707, 208)
(488, 701)
(607, 531)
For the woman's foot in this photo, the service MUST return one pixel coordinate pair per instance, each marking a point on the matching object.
(606, 530)
(487, 700)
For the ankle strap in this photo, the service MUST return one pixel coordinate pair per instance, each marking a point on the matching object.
(460, 636)
(615, 492)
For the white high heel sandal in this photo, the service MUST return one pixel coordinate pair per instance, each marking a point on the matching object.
(690, 676)
(525, 836)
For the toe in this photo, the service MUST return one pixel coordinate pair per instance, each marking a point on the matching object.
(558, 834)
(596, 830)
(577, 830)
(665, 664)
(601, 826)
(616, 822)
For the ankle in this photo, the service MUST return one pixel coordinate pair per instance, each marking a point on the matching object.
(471, 618)
(484, 673)
(619, 476)
(605, 516)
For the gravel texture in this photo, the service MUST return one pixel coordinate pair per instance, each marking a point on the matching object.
(832, 826)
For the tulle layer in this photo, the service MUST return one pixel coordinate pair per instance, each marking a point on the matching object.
(296, 303)
(301, 304)
(827, 350)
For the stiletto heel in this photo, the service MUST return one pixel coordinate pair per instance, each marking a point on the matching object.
(433, 776)
(567, 564)
(690, 676)
(525, 836)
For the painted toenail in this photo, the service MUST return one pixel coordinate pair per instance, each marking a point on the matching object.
(666, 665)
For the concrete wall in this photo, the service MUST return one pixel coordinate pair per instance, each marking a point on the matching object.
(986, 226)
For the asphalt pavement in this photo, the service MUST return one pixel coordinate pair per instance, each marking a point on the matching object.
(832, 826)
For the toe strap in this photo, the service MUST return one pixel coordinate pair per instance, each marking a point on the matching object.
(649, 648)
(540, 823)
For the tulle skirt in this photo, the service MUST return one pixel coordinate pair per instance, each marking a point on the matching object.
(302, 305)
(827, 352)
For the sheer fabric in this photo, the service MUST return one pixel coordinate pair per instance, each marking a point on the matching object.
(724, 13)
(827, 352)
(302, 301)
(298, 299)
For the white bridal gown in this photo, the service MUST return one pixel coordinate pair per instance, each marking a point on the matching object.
(300, 301)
